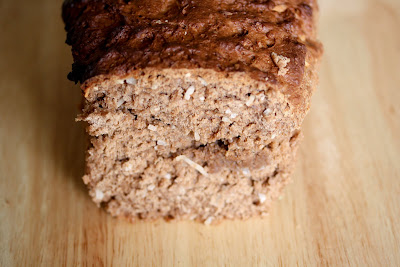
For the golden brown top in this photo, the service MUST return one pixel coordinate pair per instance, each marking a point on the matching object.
(268, 39)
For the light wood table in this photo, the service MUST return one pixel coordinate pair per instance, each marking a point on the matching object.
(343, 208)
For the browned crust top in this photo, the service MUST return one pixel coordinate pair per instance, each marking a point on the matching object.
(113, 37)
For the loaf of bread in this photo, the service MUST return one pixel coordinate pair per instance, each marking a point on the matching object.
(193, 107)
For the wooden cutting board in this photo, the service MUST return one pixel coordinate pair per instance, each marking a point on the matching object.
(343, 208)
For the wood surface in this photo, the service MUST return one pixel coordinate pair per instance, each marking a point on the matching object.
(343, 208)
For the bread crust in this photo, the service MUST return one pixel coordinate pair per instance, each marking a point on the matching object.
(114, 37)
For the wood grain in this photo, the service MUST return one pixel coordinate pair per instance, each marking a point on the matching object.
(343, 208)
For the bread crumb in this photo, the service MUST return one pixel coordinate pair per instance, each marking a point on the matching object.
(273, 136)
(127, 166)
(120, 102)
(203, 82)
(281, 62)
(87, 93)
(99, 195)
(209, 220)
(250, 101)
(152, 128)
(187, 75)
(181, 190)
(262, 197)
(167, 176)
(131, 81)
(86, 179)
(151, 187)
(246, 171)
(233, 115)
(154, 86)
(155, 109)
(280, 8)
(202, 98)
(196, 136)
(267, 111)
(162, 143)
(225, 119)
(192, 164)
(189, 92)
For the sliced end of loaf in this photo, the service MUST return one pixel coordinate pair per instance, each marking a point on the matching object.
(183, 143)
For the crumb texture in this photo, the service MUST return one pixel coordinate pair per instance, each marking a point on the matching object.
(157, 153)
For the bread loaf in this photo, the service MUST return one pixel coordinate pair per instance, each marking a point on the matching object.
(193, 107)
